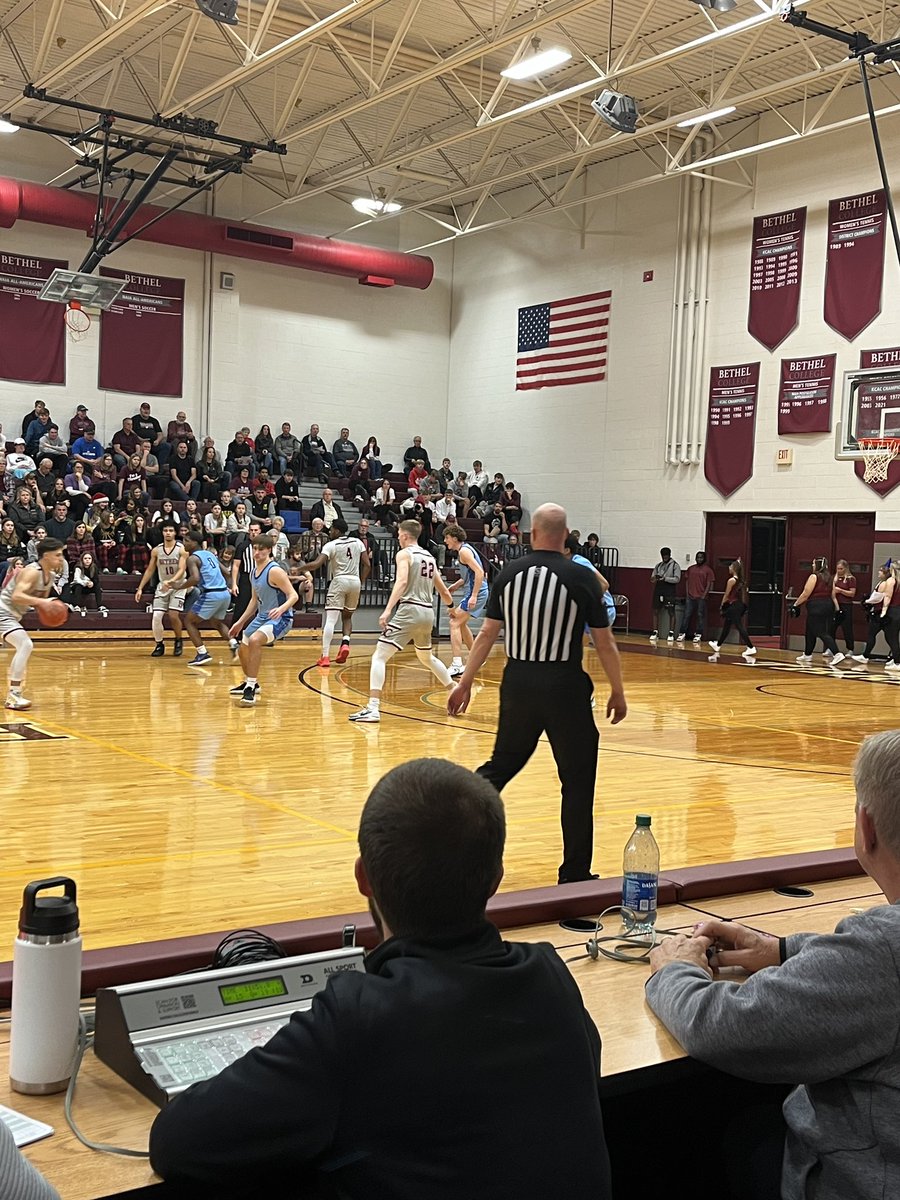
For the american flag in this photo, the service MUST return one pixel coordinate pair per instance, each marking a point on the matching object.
(563, 342)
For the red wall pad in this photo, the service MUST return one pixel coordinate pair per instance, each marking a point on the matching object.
(24, 201)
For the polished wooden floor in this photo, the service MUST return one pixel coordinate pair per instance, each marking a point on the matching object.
(179, 811)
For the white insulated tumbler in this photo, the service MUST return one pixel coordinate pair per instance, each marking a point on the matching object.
(46, 989)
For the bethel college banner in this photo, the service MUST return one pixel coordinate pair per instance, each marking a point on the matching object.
(804, 396)
(855, 267)
(776, 265)
(32, 331)
(141, 336)
(731, 426)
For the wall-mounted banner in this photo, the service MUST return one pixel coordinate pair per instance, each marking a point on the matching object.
(32, 331)
(142, 336)
(776, 265)
(731, 426)
(805, 394)
(855, 264)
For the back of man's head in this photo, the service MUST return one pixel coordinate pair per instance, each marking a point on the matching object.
(876, 774)
(549, 526)
(431, 841)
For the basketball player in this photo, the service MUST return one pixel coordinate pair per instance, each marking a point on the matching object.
(211, 600)
(411, 601)
(29, 588)
(168, 559)
(345, 556)
(475, 594)
(266, 619)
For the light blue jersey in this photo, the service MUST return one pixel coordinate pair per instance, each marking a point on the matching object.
(267, 598)
(210, 575)
(476, 605)
(607, 595)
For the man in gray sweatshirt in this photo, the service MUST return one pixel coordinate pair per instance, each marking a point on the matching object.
(821, 1012)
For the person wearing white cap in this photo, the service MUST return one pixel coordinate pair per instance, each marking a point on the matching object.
(18, 461)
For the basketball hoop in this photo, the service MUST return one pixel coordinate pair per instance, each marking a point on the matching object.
(878, 454)
(78, 322)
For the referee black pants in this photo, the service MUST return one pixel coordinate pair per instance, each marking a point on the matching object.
(555, 699)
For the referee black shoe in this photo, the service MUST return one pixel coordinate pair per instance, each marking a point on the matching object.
(580, 879)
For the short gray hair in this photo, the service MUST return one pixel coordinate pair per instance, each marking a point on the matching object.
(876, 774)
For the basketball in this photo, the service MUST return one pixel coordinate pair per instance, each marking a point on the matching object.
(54, 614)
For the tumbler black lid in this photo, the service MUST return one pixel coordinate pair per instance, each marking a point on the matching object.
(49, 916)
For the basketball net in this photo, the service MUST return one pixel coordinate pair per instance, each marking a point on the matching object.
(878, 454)
(78, 322)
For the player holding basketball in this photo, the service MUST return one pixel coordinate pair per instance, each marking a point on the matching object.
(411, 601)
(211, 599)
(473, 581)
(349, 565)
(169, 559)
(268, 617)
(29, 588)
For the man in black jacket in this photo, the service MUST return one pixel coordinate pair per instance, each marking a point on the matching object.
(407, 1082)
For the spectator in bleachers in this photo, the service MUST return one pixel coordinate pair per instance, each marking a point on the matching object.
(445, 476)
(124, 540)
(139, 551)
(315, 454)
(85, 589)
(263, 481)
(18, 461)
(496, 531)
(79, 425)
(12, 543)
(45, 479)
(87, 450)
(430, 491)
(179, 431)
(77, 486)
(287, 449)
(8, 482)
(263, 448)
(105, 538)
(238, 524)
(209, 443)
(495, 490)
(282, 545)
(242, 484)
(262, 508)
(314, 539)
(130, 474)
(60, 524)
(239, 454)
(166, 512)
(53, 447)
(37, 536)
(478, 482)
(39, 407)
(79, 542)
(215, 527)
(460, 489)
(149, 430)
(360, 481)
(35, 431)
(25, 512)
(414, 453)
(193, 523)
(299, 576)
(444, 513)
(226, 566)
(386, 510)
(227, 502)
(326, 508)
(210, 473)
(183, 481)
(126, 442)
(512, 506)
(372, 452)
(105, 477)
(377, 557)
(154, 480)
(416, 474)
(591, 550)
(344, 453)
(287, 492)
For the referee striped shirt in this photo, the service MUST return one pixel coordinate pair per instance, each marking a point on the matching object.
(544, 600)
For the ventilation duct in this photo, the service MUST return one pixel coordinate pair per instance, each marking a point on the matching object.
(22, 201)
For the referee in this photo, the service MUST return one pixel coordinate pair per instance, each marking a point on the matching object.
(544, 600)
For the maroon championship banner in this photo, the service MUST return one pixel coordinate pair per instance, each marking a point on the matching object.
(731, 426)
(855, 265)
(141, 336)
(776, 263)
(805, 394)
(32, 331)
(872, 398)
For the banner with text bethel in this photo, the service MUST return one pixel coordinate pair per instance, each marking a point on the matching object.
(142, 336)
(32, 331)
(731, 426)
(805, 393)
(877, 398)
(853, 275)
(776, 266)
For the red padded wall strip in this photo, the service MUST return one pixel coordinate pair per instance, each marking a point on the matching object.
(24, 201)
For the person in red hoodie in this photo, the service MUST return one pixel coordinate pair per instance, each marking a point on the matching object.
(699, 579)
(417, 474)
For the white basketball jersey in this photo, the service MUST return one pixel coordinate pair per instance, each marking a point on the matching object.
(422, 570)
(168, 565)
(344, 554)
(40, 588)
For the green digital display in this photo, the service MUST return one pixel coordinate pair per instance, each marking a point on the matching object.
(257, 989)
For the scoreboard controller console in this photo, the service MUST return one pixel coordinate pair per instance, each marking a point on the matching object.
(167, 1034)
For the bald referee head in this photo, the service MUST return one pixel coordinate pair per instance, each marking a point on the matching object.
(549, 526)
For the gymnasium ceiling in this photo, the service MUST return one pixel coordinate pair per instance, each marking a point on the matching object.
(406, 95)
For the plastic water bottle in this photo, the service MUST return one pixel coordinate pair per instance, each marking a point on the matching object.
(640, 874)
(46, 987)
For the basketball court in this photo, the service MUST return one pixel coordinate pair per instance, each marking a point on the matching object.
(180, 811)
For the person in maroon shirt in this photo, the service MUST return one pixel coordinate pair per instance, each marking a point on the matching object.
(843, 589)
(699, 579)
(180, 430)
(820, 606)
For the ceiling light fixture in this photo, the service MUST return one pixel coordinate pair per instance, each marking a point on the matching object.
(619, 111)
(7, 126)
(710, 116)
(718, 5)
(377, 205)
(537, 62)
(223, 11)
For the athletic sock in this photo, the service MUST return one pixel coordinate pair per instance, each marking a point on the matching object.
(248, 682)
(15, 689)
(201, 649)
(457, 662)
(345, 638)
(374, 704)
